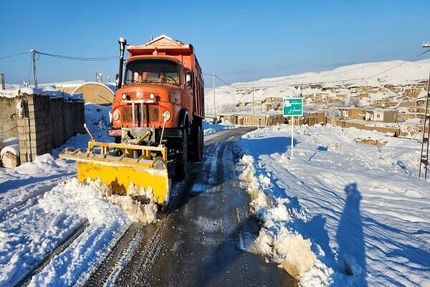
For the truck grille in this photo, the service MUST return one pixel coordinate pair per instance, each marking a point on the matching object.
(141, 115)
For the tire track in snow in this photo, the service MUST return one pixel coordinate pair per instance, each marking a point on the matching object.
(119, 256)
(130, 261)
(56, 251)
(36, 191)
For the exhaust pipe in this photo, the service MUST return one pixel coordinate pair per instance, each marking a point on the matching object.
(122, 42)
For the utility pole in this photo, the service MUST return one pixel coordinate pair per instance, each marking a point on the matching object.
(2, 82)
(424, 159)
(33, 58)
(213, 85)
(253, 102)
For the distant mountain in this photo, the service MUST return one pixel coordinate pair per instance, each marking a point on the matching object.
(366, 74)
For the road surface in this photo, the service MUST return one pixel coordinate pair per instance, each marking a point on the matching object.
(199, 240)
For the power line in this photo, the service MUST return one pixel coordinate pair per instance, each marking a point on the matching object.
(400, 64)
(75, 58)
(219, 78)
(13, 55)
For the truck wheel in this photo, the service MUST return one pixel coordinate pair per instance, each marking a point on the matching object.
(199, 143)
(182, 158)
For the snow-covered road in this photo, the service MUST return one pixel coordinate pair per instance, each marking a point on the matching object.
(55, 231)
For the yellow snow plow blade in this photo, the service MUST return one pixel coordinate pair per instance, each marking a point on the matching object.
(138, 169)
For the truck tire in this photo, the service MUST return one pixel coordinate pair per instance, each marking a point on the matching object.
(182, 157)
(199, 144)
(196, 153)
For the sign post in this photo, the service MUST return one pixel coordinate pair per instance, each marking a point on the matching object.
(293, 107)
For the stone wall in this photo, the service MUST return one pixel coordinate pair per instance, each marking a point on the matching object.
(45, 123)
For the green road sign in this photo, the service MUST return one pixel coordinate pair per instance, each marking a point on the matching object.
(293, 107)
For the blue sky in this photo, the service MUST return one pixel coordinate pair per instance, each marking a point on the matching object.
(238, 40)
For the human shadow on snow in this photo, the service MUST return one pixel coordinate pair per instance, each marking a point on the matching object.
(351, 258)
(350, 238)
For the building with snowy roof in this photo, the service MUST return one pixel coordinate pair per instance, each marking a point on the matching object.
(92, 92)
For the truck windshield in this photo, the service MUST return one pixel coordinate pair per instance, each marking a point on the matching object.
(152, 71)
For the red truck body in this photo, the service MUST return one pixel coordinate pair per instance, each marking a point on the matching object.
(160, 98)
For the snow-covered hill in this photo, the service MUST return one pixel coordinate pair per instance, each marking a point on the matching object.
(367, 74)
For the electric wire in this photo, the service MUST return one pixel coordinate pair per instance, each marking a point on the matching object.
(13, 55)
(75, 58)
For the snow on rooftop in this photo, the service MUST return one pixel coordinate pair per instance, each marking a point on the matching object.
(13, 91)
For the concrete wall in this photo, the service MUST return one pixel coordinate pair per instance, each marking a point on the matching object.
(8, 124)
(46, 123)
(391, 116)
(33, 131)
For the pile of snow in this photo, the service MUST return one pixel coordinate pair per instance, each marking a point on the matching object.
(29, 235)
(138, 211)
(211, 127)
(276, 240)
(97, 120)
(354, 214)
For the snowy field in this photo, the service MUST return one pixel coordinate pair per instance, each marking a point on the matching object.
(343, 211)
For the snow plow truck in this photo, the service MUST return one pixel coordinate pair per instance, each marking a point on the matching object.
(155, 119)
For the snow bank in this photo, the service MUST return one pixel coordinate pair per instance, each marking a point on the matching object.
(210, 127)
(359, 208)
(275, 240)
(30, 234)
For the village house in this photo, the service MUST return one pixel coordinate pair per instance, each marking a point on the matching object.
(381, 115)
(351, 113)
(248, 119)
(314, 118)
(92, 92)
(412, 92)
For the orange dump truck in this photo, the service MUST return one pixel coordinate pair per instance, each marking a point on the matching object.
(156, 119)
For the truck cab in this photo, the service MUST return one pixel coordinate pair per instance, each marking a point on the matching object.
(160, 98)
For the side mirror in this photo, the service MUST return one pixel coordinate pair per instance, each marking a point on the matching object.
(117, 80)
(188, 79)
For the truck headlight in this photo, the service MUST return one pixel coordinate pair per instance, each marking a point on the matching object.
(124, 97)
(115, 115)
(166, 116)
